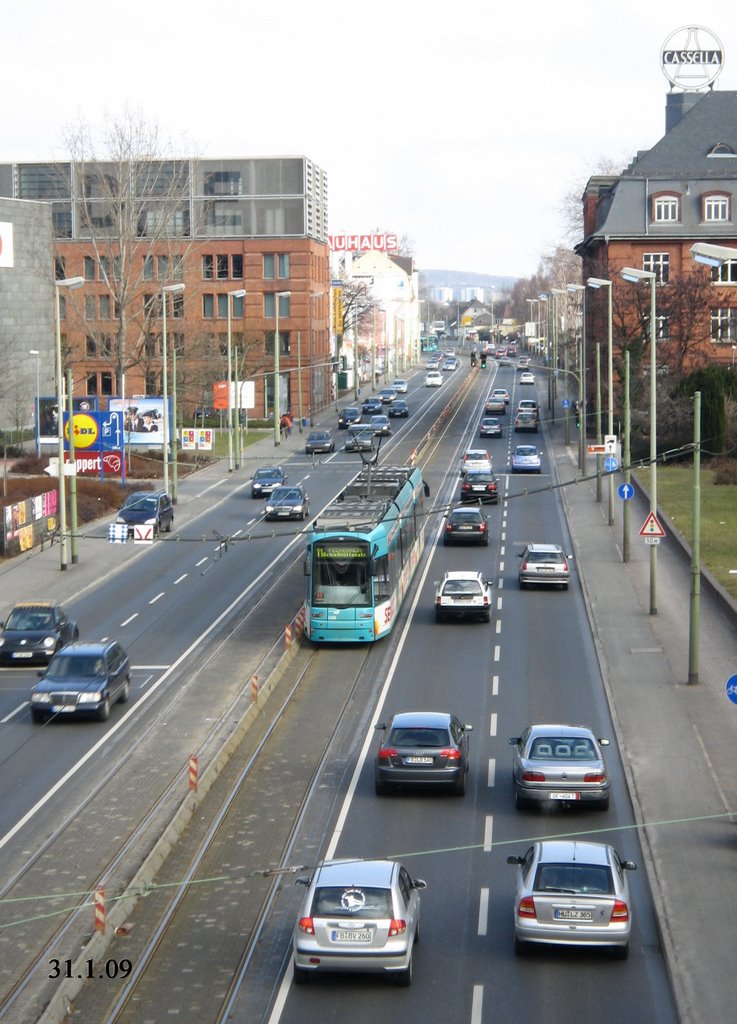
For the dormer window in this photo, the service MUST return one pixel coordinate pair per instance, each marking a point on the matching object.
(721, 149)
(666, 208)
(716, 206)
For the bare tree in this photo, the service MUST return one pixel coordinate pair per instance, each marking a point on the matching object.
(571, 204)
(134, 211)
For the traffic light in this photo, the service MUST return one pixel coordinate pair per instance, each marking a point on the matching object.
(577, 413)
(483, 362)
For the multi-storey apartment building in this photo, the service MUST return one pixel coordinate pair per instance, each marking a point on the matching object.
(133, 229)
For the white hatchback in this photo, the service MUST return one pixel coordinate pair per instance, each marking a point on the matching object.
(434, 379)
(400, 386)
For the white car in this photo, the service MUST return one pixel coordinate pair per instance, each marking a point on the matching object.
(434, 379)
(400, 386)
(475, 458)
(463, 594)
(527, 377)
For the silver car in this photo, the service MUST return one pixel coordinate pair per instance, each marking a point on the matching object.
(544, 564)
(559, 764)
(526, 459)
(358, 916)
(572, 893)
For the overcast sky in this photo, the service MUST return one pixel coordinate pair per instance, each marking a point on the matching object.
(459, 123)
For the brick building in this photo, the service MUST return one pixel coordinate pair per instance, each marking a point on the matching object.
(215, 226)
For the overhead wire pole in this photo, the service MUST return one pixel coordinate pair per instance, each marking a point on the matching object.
(694, 618)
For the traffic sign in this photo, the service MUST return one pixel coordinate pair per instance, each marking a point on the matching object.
(596, 449)
(732, 689)
(566, 403)
(625, 491)
(143, 533)
(652, 540)
(610, 464)
(610, 443)
(651, 527)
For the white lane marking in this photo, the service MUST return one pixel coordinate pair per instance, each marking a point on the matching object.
(497, 652)
(157, 598)
(149, 668)
(238, 533)
(477, 1004)
(502, 550)
(498, 626)
(500, 584)
(501, 567)
(499, 604)
(252, 521)
(491, 774)
(483, 912)
(129, 619)
(201, 562)
(182, 577)
(495, 686)
(492, 722)
(14, 713)
(146, 681)
(488, 831)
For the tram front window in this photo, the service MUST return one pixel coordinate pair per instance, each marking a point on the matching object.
(340, 576)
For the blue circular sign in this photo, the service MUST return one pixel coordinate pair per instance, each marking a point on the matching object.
(610, 464)
(732, 689)
(626, 491)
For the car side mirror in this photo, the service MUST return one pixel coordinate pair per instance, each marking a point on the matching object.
(419, 883)
(380, 725)
(513, 741)
(302, 881)
(468, 728)
(629, 865)
(603, 742)
(515, 860)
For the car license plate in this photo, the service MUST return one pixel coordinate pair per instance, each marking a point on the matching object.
(546, 568)
(478, 487)
(465, 527)
(352, 935)
(61, 709)
(572, 915)
(283, 512)
(418, 760)
(22, 654)
(565, 796)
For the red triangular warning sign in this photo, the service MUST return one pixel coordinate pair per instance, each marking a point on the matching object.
(651, 527)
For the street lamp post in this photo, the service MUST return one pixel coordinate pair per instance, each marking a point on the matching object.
(555, 293)
(637, 277)
(179, 287)
(239, 293)
(313, 295)
(66, 282)
(580, 289)
(277, 415)
(36, 353)
(602, 282)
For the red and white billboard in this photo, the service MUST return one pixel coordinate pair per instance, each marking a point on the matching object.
(381, 241)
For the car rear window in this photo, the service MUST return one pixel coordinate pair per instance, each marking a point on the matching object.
(472, 516)
(418, 737)
(563, 747)
(543, 556)
(580, 878)
(462, 587)
(359, 900)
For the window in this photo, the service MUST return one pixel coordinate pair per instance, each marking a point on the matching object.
(276, 265)
(222, 267)
(92, 384)
(177, 340)
(106, 383)
(270, 304)
(659, 264)
(723, 325)
(223, 307)
(177, 267)
(105, 346)
(283, 264)
(269, 266)
(162, 267)
(104, 307)
(89, 268)
(62, 306)
(237, 309)
(716, 207)
(726, 274)
(222, 183)
(176, 310)
(208, 306)
(148, 268)
(662, 328)
(59, 268)
(91, 347)
(150, 305)
(666, 208)
(208, 268)
(236, 271)
(61, 220)
(89, 307)
(284, 343)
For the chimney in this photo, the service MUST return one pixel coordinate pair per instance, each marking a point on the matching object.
(677, 104)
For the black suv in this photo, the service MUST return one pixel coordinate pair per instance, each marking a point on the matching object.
(83, 678)
(34, 631)
(149, 508)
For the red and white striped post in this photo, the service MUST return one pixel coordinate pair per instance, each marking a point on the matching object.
(288, 632)
(254, 688)
(99, 909)
(193, 772)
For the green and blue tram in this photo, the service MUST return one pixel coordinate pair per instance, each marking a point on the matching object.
(362, 553)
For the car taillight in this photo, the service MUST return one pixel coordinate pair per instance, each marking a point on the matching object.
(526, 907)
(524, 567)
(448, 527)
(450, 753)
(483, 527)
(387, 753)
(620, 911)
(465, 487)
(306, 925)
(533, 777)
(599, 777)
(397, 926)
(565, 566)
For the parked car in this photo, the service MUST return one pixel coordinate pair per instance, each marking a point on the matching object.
(475, 458)
(544, 564)
(424, 748)
(147, 508)
(34, 631)
(84, 679)
(351, 414)
(371, 406)
(480, 485)
(289, 502)
(572, 893)
(360, 438)
(381, 426)
(526, 459)
(560, 764)
(463, 594)
(400, 385)
(358, 916)
(386, 395)
(490, 426)
(466, 525)
(433, 379)
(527, 377)
(266, 479)
(319, 442)
(399, 407)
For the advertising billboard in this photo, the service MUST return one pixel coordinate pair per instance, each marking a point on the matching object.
(143, 420)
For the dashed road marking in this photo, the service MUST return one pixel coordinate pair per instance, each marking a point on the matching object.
(483, 912)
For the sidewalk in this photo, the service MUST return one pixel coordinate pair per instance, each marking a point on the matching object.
(678, 742)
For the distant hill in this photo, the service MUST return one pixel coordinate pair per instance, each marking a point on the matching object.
(457, 279)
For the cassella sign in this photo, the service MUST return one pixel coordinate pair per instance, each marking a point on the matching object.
(692, 58)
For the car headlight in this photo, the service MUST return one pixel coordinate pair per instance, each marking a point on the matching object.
(90, 698)
(49, 641)
(2, 641)
(270, 508)
(297, 508)
(120, 519)
(150, 522)
(40, 698)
